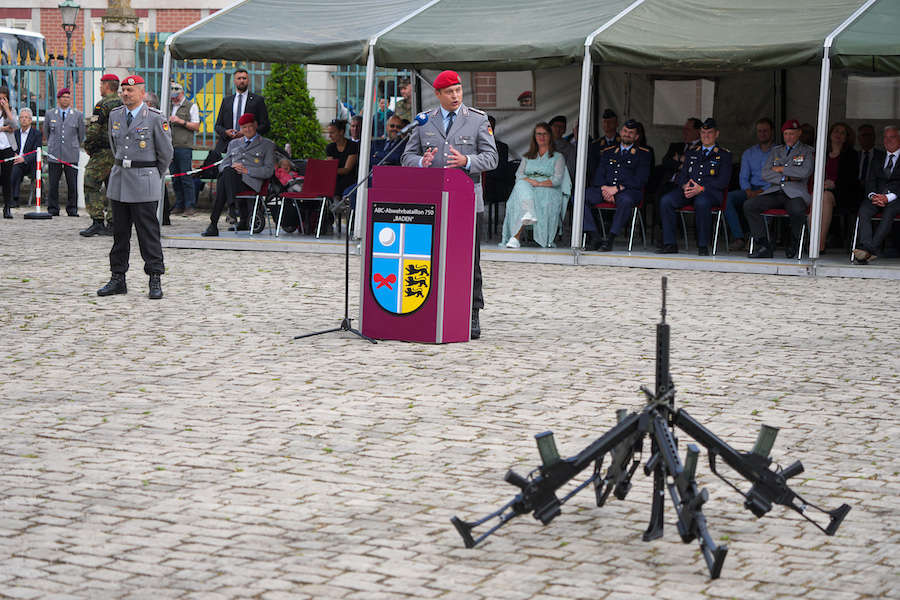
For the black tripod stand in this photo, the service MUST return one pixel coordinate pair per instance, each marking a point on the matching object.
(346, 321)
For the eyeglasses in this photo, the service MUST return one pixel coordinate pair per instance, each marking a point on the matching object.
(393, 127)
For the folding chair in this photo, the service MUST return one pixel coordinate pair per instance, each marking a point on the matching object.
(780, 213)
(878, 217)
(318, 184)
(636, 215)
(254, 216)
(718, 211)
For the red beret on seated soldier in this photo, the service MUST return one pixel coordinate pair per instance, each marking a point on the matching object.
(247, 118)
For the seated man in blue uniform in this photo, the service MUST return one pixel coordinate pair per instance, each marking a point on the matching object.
(391, 146)
(703, 180)
(619, 179)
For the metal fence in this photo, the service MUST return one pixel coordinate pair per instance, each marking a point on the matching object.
(205, 81)
(351, 85)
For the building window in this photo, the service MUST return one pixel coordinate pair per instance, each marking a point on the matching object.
(676, 101)
(873, 97)
(504, 90)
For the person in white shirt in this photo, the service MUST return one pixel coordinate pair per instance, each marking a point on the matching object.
(882, 190)
(8, 126)
(184, 121)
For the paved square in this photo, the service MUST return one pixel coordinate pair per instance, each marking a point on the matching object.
(188, 448)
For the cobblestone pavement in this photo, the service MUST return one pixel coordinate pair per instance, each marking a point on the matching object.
(188, 448)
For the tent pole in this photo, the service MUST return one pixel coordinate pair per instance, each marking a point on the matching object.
(365, 143)
(164, 109)
(581, 149)
(815, 212)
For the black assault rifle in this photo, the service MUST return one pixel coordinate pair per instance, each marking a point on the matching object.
(624, 443)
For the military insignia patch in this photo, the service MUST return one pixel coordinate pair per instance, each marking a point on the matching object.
(712, 171)
(633, 151)
(490, 131)
(165, 125)
(115, 125)
(402, 238)
(143, 144)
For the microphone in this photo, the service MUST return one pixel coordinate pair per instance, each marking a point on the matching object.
(420, 120)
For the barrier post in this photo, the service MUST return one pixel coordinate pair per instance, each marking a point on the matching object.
(40, 213)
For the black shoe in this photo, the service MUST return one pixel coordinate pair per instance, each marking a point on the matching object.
(667, 249)
(96, 228)
(53, 212)
(116, 285)
(703, 251)
(240, 227)
(593, 242)
(607, 244)
(790, 251)
(7, 213)
(155, 287)
(476, 326)
(762, 249)
(211, 231)
(72, 213)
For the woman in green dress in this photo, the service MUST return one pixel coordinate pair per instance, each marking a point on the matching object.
(541, 194)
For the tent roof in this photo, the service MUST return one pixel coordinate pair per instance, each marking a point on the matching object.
(688, 35)
(483, 35)
(334, 32)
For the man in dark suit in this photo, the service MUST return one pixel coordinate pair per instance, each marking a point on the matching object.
(241, 102)
(391, 146)
(28, 138)
(882, 196)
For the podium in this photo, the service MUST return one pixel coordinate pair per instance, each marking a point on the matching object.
(418, 256)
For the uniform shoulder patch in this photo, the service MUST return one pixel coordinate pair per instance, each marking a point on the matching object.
(477, 112)
(165, 125)
(643, 149)
(120, 107)
(609, 148)
(156, 110)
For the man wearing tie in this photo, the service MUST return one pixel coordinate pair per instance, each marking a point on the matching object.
(141, 144)
(787, 172)
(457, 136)
(241, 102)
(250, 160)
(64, 130)
(703, 179)
(28, 139)
(882, 191)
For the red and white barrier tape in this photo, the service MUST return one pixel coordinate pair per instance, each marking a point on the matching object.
(191, 172)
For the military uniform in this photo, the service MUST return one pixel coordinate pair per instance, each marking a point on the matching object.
(64, 137)
(472, 136)
(788, 190)
(258, 155)
(709, 168)
(627, 168)
(96, 173)
(142, 151)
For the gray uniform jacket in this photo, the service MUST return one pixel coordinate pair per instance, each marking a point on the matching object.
(258, 156)
(798, 168)
(470, 135)
(64, 138)
(147, 141)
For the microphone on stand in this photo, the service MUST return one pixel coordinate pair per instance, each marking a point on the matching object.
(420, 120)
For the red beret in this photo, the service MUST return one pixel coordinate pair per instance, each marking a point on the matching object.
(60, 93)
(446, 79)
(109, 77)
(247, 118)
(133, 80)
(525, 94)
(790, 124)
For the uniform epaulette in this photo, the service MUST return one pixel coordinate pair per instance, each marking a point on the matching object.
(643, 149)
(121, 106)
(156, 110)
(608, 148)
(478, 112)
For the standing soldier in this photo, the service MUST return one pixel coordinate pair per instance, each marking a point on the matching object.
(64, 132)
(142, 147)
(96, 144)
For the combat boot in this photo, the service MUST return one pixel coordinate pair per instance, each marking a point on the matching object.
(155, 287)
(95, 228)
(116, 285)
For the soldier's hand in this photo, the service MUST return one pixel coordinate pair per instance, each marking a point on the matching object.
(456, 159)
(609, 193)
(428, 157)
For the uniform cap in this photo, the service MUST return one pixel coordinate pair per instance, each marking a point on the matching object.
(60, 93)
(247, 118)
(609, 114)
(710, 123)
(790, 124)
(631, 124)
(133, 80)
(446, 79)
(109, 77)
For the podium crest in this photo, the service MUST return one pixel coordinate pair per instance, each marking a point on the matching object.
(402, 242)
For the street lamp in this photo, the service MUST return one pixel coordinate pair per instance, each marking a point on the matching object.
(69, 11)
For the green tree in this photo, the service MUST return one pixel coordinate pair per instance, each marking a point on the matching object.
(292, 112)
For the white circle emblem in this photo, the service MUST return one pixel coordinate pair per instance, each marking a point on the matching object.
(387, 236)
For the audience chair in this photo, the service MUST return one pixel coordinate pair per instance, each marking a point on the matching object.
(719, 214)
(878, 217)
(780, 213)
(257, 198)
(318, 184)
(636, 216)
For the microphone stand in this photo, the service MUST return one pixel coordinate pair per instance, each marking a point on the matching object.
(346, 321)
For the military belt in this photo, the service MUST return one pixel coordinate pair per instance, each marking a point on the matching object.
(135, 164)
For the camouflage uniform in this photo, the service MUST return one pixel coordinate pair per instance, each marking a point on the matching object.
(96, 173)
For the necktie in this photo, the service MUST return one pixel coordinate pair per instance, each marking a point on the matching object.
(890, 164)
(63, 116)
(788, 153)
(128, 118)
(865, 166)
(239, 112)
(450, 119)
